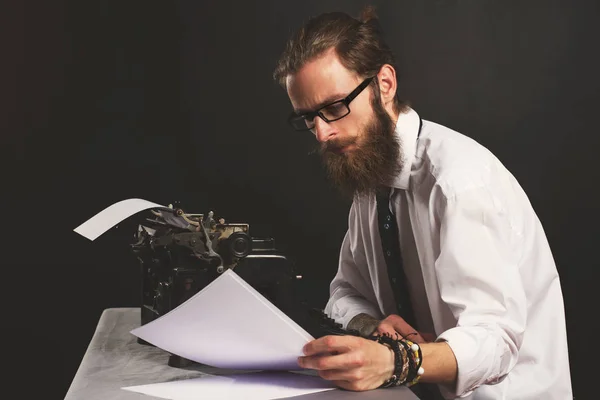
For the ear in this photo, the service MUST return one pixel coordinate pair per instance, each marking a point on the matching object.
(387, 85)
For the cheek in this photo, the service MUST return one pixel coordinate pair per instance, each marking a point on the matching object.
(356, 126)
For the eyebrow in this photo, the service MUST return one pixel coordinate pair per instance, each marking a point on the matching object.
(328, 100)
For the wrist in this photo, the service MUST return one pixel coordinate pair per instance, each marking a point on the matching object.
(390, 362)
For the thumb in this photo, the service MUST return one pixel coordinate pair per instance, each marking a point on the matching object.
(387, 329)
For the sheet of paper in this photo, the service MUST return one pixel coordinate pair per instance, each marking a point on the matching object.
(112, 215)
(229, 324)
(249, 386)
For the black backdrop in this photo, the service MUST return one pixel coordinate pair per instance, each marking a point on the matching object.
(174, 101)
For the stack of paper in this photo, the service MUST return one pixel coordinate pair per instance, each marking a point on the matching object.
(228, 324)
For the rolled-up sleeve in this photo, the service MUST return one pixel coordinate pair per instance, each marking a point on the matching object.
(351, 293)
(479, 280)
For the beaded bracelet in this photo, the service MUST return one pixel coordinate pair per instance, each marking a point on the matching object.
(417, 358)
(408, 358)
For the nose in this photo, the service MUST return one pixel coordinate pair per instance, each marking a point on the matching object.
(323, 130)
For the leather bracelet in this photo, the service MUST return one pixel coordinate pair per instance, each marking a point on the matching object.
(400, 361)
(407, 361)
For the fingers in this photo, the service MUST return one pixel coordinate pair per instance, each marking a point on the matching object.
(351, 362)
(397, 324)
(400, 325)
(331, 344)
(344, 361)
(429, 337)
(385, 328)
(416, 337)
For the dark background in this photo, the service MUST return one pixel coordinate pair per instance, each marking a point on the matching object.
(174, 101)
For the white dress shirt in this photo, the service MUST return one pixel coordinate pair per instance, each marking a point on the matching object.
(480, 271)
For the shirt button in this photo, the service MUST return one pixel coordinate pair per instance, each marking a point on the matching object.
(399, 306)
(389, 253)
(388, 218)
(394, 280)
(386, 226)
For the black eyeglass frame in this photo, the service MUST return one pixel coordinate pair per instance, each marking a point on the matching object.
(311, 115)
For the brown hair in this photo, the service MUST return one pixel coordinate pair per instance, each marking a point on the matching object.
(358, 43)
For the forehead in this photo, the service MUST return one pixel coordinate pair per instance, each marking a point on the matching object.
(319, 81)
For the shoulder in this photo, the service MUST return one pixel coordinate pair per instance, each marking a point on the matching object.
(455, 162)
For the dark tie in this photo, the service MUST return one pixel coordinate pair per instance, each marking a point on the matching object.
(390, 241)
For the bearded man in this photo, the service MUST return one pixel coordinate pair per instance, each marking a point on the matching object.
(445, 269)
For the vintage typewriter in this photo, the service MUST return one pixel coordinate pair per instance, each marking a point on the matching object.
(180, 253)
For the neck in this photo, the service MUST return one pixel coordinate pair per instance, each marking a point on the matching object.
(394, 115)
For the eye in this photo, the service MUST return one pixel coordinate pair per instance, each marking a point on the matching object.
(335, 110)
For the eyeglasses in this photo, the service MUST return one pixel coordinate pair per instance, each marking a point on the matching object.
(329, 112)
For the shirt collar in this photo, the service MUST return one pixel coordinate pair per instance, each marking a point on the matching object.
(407, 131)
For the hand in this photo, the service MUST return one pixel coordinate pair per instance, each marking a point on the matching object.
(396, 324)
(350, 362)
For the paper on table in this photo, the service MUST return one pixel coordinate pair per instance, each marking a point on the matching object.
(249, 386)
(229, 324)
(112, 215)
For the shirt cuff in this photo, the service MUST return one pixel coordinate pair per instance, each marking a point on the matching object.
(471, 361)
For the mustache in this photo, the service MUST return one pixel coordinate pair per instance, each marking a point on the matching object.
(332, 145)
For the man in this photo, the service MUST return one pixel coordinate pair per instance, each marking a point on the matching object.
(481, 293)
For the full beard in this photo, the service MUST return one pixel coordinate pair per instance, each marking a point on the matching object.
(373, 164)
